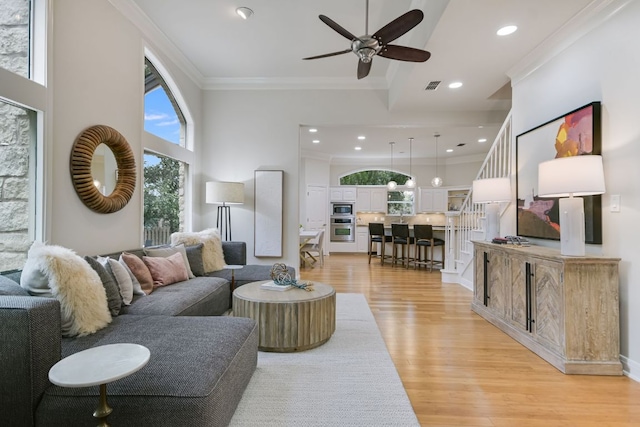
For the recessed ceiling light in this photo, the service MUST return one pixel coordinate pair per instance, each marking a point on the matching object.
(450, 150)
(358, 148)
(480, 127)
(312, 130)
(482, 140)
(455, 85)
(244, 12)
(316, 141)
(505, 31)
(361, 137)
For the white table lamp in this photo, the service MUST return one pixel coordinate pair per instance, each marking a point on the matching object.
(492, 191)
(224, 193)
(571, 176)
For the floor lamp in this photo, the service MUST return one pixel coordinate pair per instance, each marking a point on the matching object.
(225, 194)
(571, 176)
(492, 191)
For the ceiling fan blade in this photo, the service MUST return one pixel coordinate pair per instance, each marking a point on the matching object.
(399, 26)
(363, 69)
(404, 53)
(337, 28)
(326, 55)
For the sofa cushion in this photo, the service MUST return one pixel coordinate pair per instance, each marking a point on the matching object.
(194, 254)
(166, 271)
(140, 270)
(198, 370)
(212, 253)
(114, 299)
(123, 279)
(165, 251)
(71, 281)
(202, 296)
(137, 289)
(9, 287)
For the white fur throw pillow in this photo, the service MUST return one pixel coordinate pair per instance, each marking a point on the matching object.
(72, 281)
(212, 255)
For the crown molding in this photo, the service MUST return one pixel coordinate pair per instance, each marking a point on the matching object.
(592, 16)
(132, 11)
(294, 83)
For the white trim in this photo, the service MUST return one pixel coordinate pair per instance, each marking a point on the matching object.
(630, 368)
(294, 83)
(592, 16)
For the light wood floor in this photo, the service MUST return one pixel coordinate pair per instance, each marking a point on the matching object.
(458, 369)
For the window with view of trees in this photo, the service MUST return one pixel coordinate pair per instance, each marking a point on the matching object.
(373, 177)
(398, 202)
(165, 177)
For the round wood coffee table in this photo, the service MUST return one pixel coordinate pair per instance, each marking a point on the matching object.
(293, 320)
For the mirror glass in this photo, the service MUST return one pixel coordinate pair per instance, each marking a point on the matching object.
(103, 169)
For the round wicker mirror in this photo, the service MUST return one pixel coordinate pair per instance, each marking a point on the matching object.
(81, 156)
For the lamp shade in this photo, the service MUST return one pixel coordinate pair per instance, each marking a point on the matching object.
(221, 192)
(491, 190)
(575, 175)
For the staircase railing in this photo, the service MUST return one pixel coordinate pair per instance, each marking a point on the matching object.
(460, 227)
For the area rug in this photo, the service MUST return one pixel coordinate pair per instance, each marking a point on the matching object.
(348, 381)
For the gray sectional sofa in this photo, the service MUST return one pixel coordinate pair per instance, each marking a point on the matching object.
(199, 367)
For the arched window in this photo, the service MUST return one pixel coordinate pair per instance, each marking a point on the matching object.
(166, 169)
(373, 177)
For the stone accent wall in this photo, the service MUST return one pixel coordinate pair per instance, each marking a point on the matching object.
(15, 140)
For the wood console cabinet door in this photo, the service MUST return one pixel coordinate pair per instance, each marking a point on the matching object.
(536, 300)
(565, 309)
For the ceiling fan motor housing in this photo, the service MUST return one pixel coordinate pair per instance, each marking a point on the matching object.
(366, 47)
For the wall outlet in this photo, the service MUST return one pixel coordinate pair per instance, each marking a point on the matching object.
(614, 203)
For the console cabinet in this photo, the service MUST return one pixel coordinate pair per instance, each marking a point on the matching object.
(564, 309)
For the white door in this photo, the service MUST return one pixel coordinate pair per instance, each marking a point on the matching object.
(317, 209)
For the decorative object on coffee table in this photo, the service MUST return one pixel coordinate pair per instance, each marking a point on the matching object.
(99, 366)
(281, 277)
(288, 321)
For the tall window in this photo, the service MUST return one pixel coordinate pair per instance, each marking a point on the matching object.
(165, 168)
(19, 169)
(162, 115)
(163, 183)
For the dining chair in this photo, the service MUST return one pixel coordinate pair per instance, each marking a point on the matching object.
(423, 238)
(400, 239)
(376, 235)
(314, 247)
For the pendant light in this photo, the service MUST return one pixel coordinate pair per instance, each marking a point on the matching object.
(392, 185)
(410, 182)
(436, 181)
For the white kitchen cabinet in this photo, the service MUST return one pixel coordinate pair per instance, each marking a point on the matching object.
(362, 239)
(371, 200)
(342, 194)
(433, 200)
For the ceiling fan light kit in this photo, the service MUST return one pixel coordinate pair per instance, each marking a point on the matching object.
(368, 46)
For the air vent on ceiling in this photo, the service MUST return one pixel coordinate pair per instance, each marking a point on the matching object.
(433, 85)
(462, 144)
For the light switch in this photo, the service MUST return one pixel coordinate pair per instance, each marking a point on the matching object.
(615, 203)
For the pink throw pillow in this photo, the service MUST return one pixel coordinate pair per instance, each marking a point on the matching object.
(166, 271)
(140, 271)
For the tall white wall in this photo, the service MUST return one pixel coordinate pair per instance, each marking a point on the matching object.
(98, 66)
(602, 66)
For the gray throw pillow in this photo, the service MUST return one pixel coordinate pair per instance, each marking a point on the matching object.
(9, 287)
(194, 254)
(114, 299)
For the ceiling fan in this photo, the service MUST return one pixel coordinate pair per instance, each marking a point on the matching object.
(368, 46)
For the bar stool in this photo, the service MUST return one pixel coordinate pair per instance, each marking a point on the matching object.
(376, 235)
(423, 238)
(400, 237)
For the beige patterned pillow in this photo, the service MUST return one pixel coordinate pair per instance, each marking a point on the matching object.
(212, 254)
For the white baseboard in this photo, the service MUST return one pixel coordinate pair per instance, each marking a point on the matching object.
(453, 276)
(630, 368)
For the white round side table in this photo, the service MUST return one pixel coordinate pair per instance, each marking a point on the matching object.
(99, 366)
